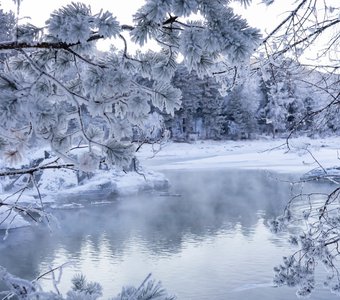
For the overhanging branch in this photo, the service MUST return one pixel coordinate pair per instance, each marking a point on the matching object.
(14, 45)
(313, 34)
(292, 14)
(32, 170)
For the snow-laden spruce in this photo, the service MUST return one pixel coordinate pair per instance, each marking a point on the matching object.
(87, 108)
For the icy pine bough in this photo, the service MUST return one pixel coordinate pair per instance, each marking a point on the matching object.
(91, 108)
(81, 289)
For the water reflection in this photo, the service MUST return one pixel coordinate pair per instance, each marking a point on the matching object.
(205, 238)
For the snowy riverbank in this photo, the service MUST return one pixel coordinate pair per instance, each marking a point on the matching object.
(273, 155)
(61, 190)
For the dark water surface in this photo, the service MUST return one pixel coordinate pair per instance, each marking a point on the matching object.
(206, 238)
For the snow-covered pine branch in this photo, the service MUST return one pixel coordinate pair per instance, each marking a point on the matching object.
(81, 288)
(55, 84)
(86, 107)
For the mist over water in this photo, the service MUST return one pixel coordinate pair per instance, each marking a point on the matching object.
(204, 238)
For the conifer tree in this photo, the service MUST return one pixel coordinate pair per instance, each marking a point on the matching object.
(201, 109)
(58, 91)
(240, 121)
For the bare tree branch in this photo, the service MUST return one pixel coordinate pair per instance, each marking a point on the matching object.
(33, 170)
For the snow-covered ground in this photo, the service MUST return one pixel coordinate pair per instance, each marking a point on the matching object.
(304, 155)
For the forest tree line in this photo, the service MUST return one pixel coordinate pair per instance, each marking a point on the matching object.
(274, 100)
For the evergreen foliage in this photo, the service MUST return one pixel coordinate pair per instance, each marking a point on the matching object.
(274, 99)
(57, 89)
(240, 112)
(81, 289)
(200, 115)
(87, 107)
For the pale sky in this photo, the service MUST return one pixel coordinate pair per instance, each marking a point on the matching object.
(39, 10)
(258, 15)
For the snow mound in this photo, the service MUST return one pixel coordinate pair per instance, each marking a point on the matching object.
(68, 189)
(66, 186)
(320, 174)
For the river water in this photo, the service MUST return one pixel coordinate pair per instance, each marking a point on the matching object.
(205, 238)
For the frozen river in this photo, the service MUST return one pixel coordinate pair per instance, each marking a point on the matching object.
(205, 238)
